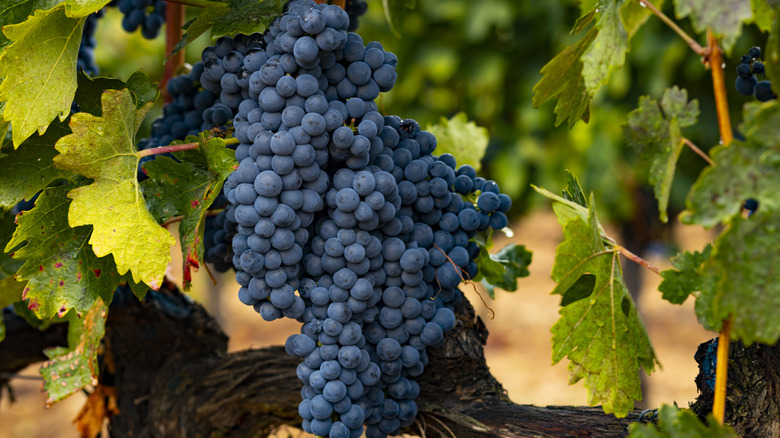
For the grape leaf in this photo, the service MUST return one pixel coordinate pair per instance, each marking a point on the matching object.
(30, 168)
(82, 8)
(502, 269)
(395, 11)
(686, 278)
(188, 189)
(573, 190)
(70, 369)
(8, 266)
(724, 17)
(742, 279)
(599, 330)
(461, 138)
(60, 267)
(102, 148)
(90, 90)
(562, 80)
(607, 52)
(674, 423)
(655, 130)
(763, 13)
(771, 52)
(742, 170)
(39, 70)
(635, 14)
(238, 16)
(16, 11)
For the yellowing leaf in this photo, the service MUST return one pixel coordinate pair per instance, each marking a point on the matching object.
(70, 369)
(39, 71)
(102, 148)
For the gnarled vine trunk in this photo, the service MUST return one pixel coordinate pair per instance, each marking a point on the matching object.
(168, 360)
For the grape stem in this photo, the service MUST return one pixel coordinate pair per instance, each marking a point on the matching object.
(719, 86)
(703, 51)
(177, 147)
(174, 21)
(636, 259)
(724, 124)
(698, 151)
(721, 372)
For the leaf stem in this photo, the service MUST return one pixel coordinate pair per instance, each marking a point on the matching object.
(636, 259)
(721, 372)
(698, 151)
(178, 147)
(165, 149)
(703, 51)
(174, 21)
(719, 86)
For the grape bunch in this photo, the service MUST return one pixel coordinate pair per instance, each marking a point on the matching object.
(747, 84)
(149, 15)
(344, 219)
(86, 56)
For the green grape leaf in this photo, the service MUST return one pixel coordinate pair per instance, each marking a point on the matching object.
(502, 269)
(39, 70)
(16, 11)
(771, 52)
(30, 168)
(675, 423)
(599, 331)
(655, 129)
(724, 17)
(70, 369)
(742, 279)
(562, 80)
(102, 148)
(89, 91)
(686, 278)
(395, 11)
(573, 190)
(10, 292)
(238, 16)
(634, 15)
(763, 13)
(188, 189)
(461, 138)
(82, 8)
(761, 123)
(8, 266)
(608, 50)
(742, 170)
(60, 267)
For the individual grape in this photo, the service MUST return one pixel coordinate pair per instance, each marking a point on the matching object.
(743, 70)
(754, 52)
(763, 91)
(758, 67)
(745, 86)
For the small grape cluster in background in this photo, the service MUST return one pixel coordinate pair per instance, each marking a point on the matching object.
(149, 15)
(747, 83)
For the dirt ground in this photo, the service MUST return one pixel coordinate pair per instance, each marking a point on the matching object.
(518, 350)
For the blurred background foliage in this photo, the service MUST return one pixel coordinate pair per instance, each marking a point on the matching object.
(483, 58)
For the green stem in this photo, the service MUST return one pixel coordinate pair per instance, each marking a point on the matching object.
(668, 21)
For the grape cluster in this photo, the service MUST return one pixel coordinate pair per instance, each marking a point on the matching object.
(218, 236)
(86, 56)
(149, 15)
(344, 219)
(747, 84)
(355, 8)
